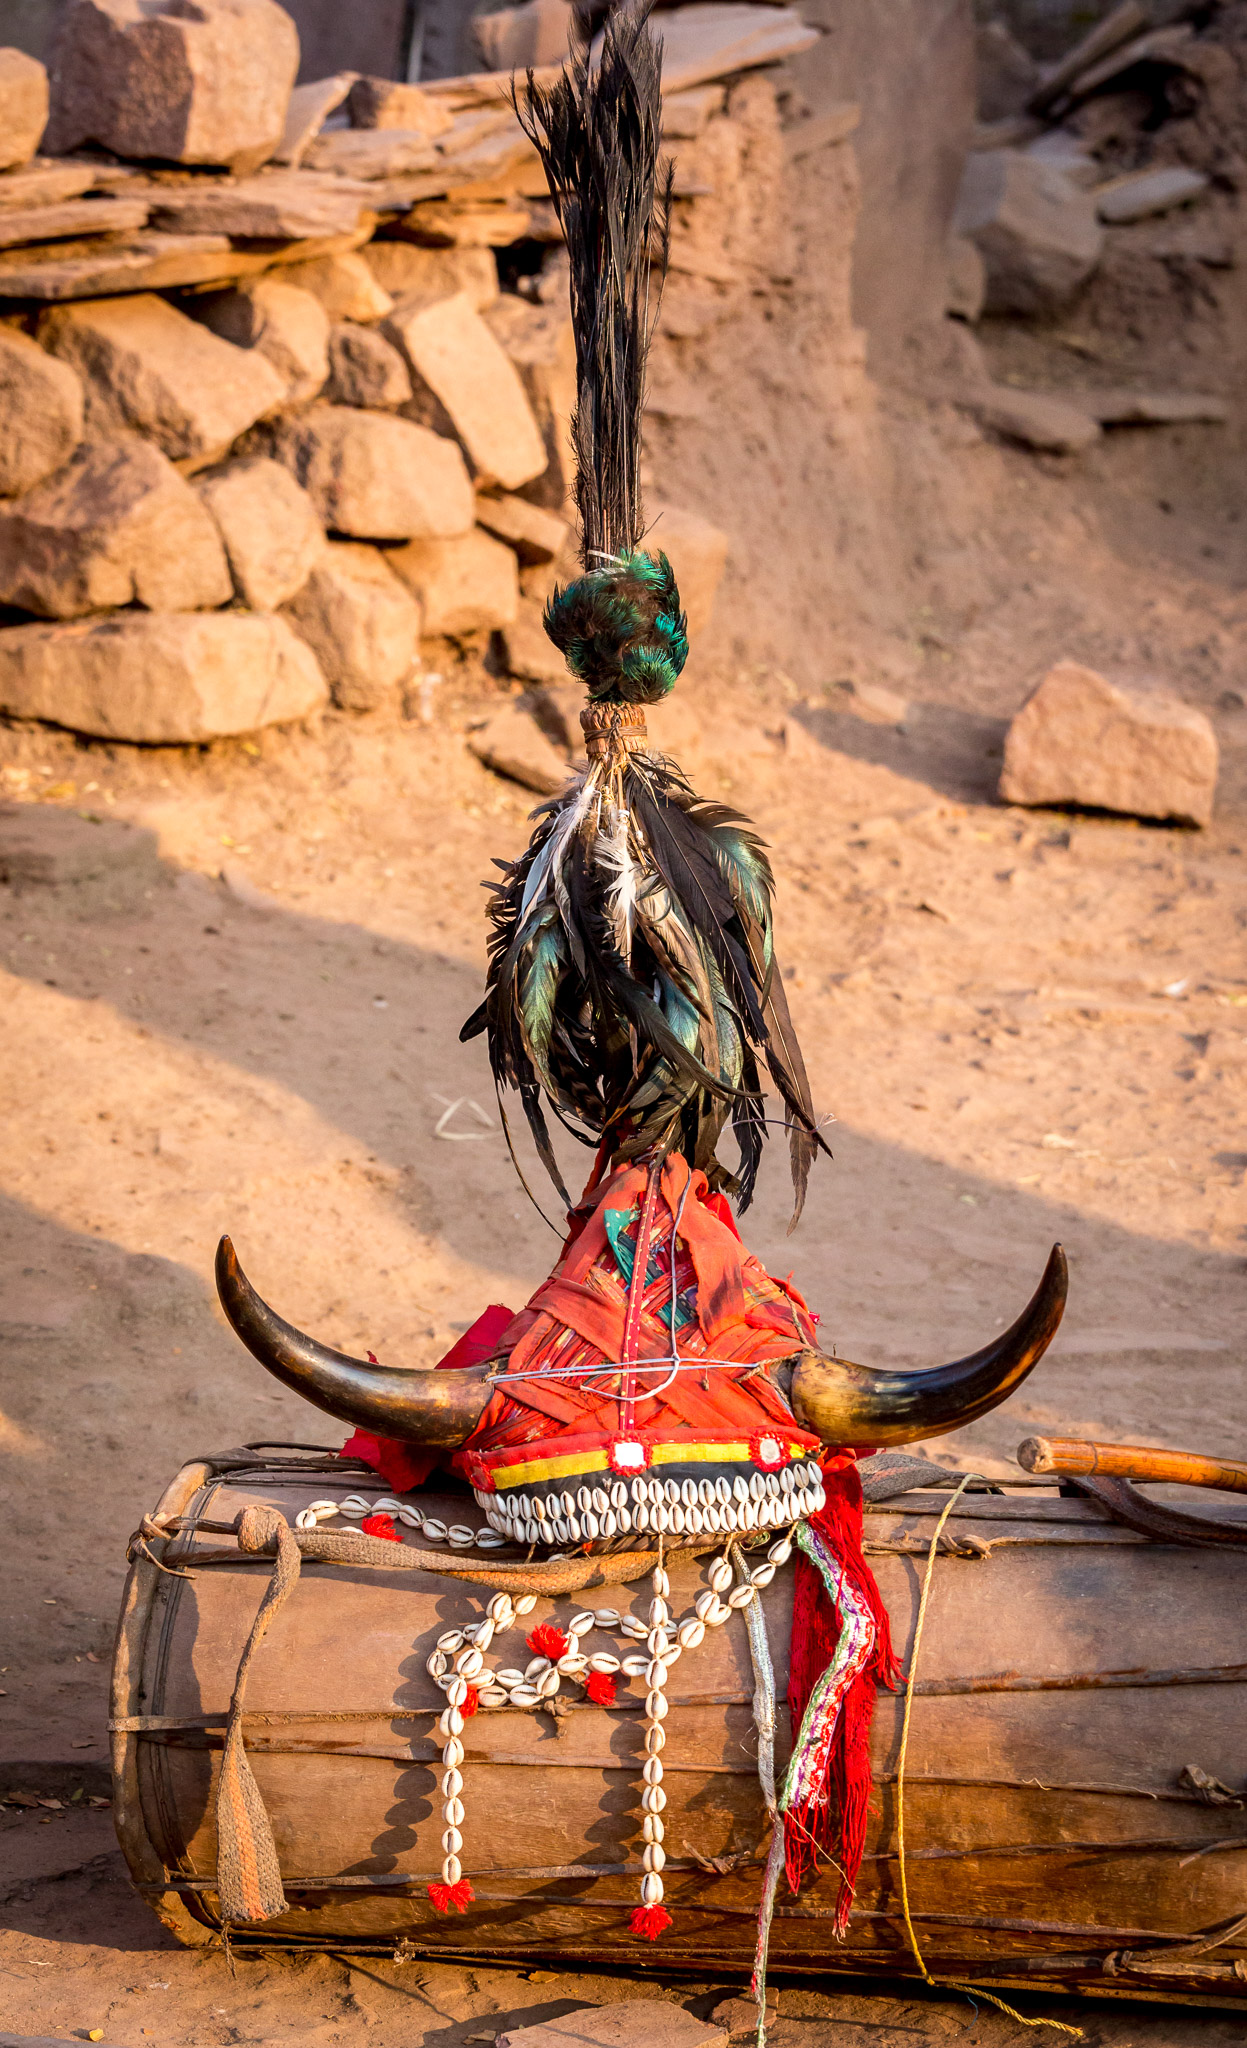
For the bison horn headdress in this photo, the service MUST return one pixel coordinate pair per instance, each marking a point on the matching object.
(660, 1392)
(633, 989)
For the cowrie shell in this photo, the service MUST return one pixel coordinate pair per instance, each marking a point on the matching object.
(651, 1889)
(492, 1696)
(452, 1812)
(740, 1596)
(525, 1696)
(452, 1784)
(652, 1829)
(607, 1617)
(653, 1799)
(634, 1667)
(720, 1575)
(548, 1685)
(580, 1624)
(603, 1661)
(452, 1841)
(526, 1603)
(762, 1575)
(651, 1771)
(453, 1753)
(653, 1856)
(434, 1531)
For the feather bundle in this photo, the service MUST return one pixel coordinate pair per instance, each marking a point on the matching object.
(632, 980)
(632, 983)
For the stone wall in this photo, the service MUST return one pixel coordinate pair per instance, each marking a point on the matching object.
(286, 376)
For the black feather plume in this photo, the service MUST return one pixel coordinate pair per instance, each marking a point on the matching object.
(598, 133)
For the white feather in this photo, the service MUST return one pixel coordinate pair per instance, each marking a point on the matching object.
(546, 866)
(613, 853)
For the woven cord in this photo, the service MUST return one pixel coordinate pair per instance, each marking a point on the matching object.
(248, 1874)
(972, 1991)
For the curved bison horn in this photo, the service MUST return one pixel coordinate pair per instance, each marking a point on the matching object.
(439, 1409)
(857, 1404)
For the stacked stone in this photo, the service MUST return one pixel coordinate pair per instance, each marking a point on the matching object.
(268, 421)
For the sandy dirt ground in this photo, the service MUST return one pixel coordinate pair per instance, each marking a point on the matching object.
(231, 985)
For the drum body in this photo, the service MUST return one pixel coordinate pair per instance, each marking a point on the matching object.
(1070, 1670)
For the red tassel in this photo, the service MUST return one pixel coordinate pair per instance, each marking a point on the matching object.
(600, 1688)
(649, 1921)
(381, 1525)
(548, 1641)
(837, 1825)
(444, 1896)
(471, 1701)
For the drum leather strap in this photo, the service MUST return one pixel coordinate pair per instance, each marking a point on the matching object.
(248, 1874)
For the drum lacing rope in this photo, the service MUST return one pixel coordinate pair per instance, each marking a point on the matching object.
(972, 1991)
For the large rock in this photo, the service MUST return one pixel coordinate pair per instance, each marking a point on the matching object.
(145, 365)
(187, 81)
(697, 550)
(538, 32)
(41, 408)
(387, 103)
(532, 655)
(23, 107)
(307, 109)
(467, 585)
(539, 342)
(365, 369)
(1080, 739)
(273, 538)
(451, 351)
(513, 744)
(631, 2023)
(117, 525)
(1037, 233)
(344, 285)
(288, 326)
(361, 622)
(160, 678)
(273, 206)
(535, 534)
(406, 270)
(1038, 419)
(1143, 193)
(373, 477)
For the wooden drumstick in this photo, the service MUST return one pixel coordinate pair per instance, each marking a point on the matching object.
(1129, 1461)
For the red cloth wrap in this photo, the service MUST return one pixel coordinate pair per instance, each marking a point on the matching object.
(842, 1809)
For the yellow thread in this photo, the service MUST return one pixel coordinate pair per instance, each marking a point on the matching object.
(942, 1983)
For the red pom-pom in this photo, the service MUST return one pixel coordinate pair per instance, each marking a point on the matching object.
(648, 1921)
(381, 1525)
(471, 1701)
(548, 1641)
(600, 1688)
(444, 1896)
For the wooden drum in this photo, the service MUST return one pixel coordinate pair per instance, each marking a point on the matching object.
(1070, 1672)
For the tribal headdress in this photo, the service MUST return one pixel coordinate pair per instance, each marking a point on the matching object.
(660, 1392)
